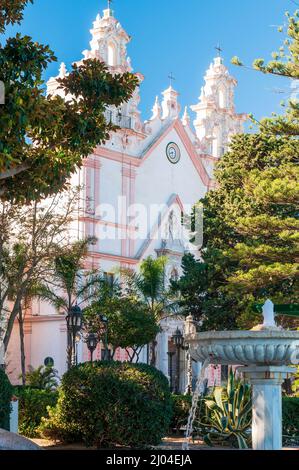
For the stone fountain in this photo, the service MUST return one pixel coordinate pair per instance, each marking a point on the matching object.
(264, 356)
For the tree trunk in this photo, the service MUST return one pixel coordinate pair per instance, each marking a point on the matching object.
(138, 351)
(131, 357)
(22, 345)
(11, 320)
(10, 325)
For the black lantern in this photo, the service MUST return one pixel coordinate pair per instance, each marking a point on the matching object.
(74, 319)
(92, 342)
(74, 322)
(178, 338)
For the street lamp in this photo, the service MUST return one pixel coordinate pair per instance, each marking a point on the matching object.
(105, 322)
(178, 341)
(170, 356)
(92, 342)
(74, 321)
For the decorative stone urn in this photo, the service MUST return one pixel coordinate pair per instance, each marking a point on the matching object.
(264, 354)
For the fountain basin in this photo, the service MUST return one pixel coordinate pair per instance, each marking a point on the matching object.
(264, 355)
(265, 347)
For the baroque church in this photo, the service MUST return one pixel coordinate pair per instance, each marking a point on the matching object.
(137, 186)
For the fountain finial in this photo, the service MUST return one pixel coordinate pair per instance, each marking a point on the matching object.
(268, 314)
(269, 318)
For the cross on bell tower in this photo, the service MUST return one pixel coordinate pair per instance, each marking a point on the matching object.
(171, 78)
(109, 11)
(219, 50)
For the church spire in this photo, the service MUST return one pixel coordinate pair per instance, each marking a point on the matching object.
(216, 119)
(109, 42)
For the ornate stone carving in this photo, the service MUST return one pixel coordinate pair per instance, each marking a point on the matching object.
(245, 347)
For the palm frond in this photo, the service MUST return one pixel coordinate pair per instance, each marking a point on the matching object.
(43, 292)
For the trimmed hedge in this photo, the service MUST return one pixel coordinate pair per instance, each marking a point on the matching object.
(33, 406)
(111, 403)
(6, 392)
(290, 419)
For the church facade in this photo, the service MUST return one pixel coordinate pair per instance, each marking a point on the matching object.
(136, 188)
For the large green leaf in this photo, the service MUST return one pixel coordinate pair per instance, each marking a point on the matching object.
(224, 422)
(218, 396)
(207, 440)
(241, 442)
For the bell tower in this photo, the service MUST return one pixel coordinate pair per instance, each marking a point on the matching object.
(216, 118)
(109, 42)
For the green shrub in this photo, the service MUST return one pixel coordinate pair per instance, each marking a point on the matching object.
(6, 392)
(33, 406)
(181, 405)
(290, 419)
(111, 403)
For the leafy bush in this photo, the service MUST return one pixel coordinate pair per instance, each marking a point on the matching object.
(228, 414)
(6, 391)
(43, 378)
(111, 403)
(290, 420)
(181, 405)
(33, 406)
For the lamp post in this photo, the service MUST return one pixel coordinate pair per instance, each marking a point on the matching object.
(178, 341)
(92, 342)
(74, 322)
(170, 356)
(105, 322)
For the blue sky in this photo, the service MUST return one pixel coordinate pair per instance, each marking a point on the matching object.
(175, 36)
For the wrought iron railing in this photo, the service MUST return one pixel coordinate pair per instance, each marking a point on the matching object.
(114, 117)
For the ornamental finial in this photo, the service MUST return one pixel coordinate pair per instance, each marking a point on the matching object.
(62, 70)
(268, 313)
(156, 109)
(186, 117)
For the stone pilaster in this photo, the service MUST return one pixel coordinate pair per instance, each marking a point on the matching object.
(162, 351)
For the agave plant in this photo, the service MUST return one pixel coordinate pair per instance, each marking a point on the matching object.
(228, 416)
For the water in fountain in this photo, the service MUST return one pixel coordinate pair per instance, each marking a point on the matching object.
(196, 395)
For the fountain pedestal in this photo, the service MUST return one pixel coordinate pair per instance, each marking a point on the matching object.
(266, 384)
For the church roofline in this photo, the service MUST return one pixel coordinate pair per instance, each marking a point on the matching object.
(138, 161)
